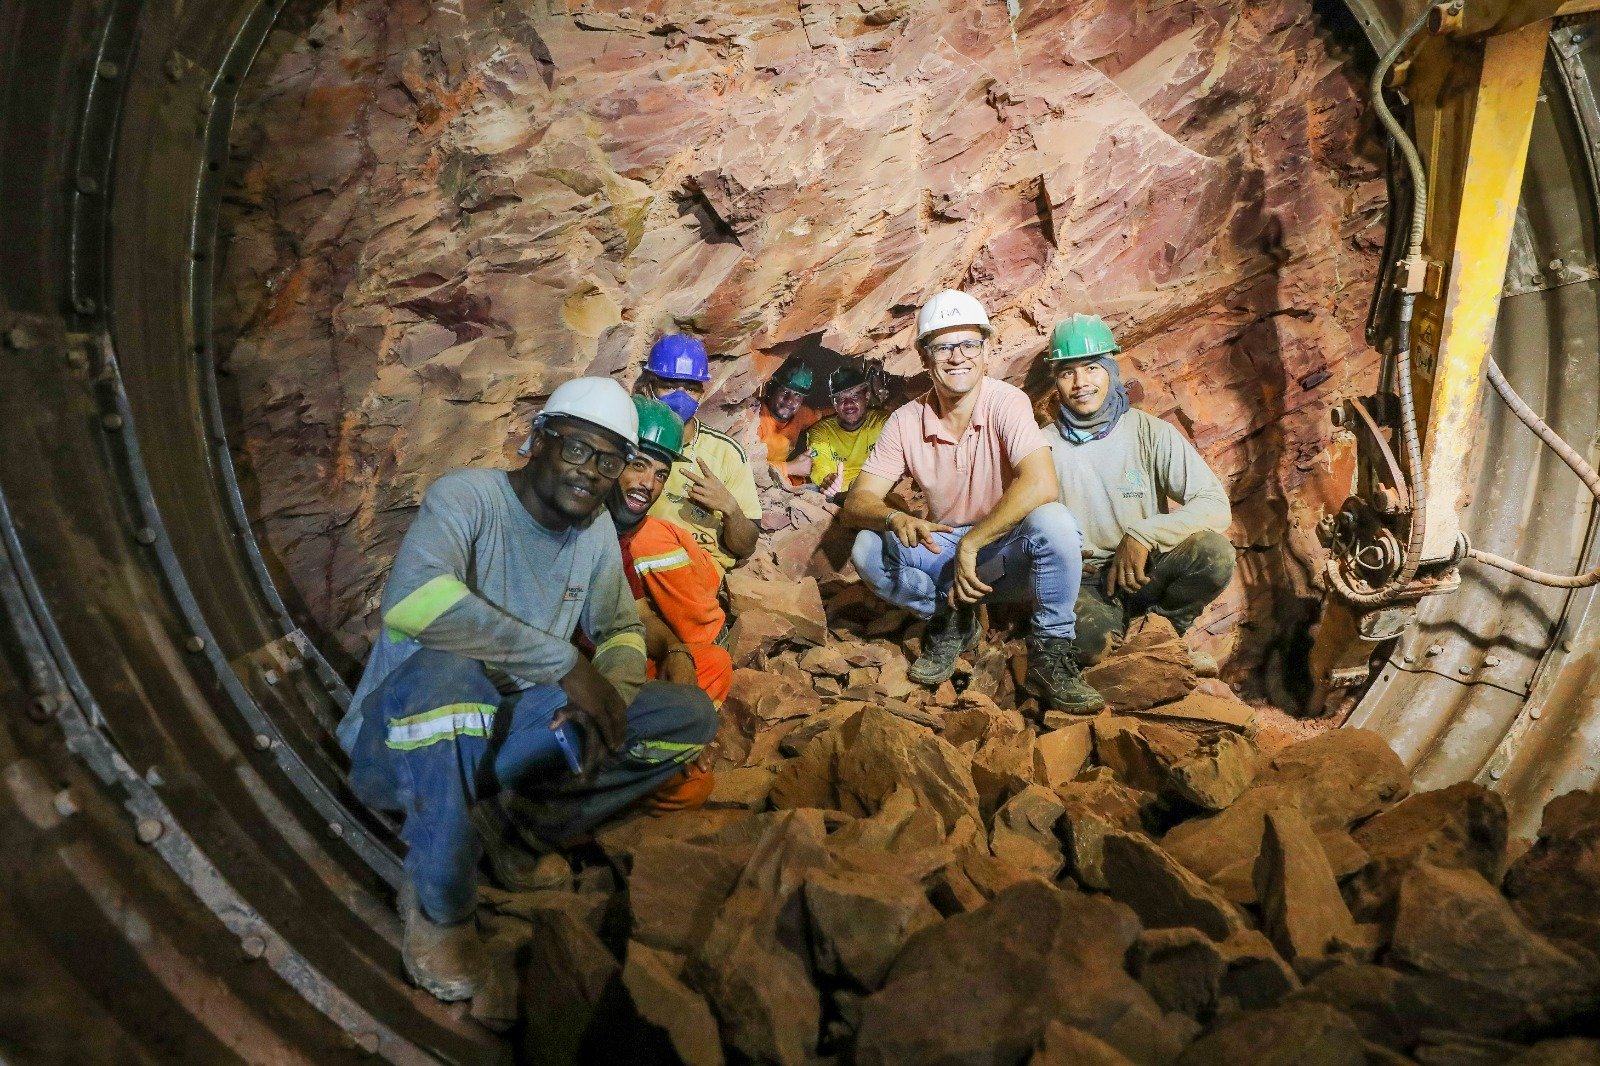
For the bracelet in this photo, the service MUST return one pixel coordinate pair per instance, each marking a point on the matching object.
(678, 651)
(888, 519)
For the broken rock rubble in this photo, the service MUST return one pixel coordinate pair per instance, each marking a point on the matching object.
(1122, 889)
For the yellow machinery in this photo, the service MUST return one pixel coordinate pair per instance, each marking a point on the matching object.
(1471, 71)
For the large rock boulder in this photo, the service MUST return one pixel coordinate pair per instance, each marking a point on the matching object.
(1150, 666)
(1556, 885)
(859, 923)
(984, 987)
(1454, 924)
(1161, 891)
(1302, 1034)
(1090, 810)
(754, 963)
(1335, 780)
(1301, 908)
(1460, 827)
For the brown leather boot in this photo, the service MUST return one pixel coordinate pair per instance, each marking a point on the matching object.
(446, 961)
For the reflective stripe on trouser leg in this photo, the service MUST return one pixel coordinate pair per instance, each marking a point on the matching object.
(668, 726)
(421, 748)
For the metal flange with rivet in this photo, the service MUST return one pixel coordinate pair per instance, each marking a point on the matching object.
(111, 421)
(149, 830)
(253, 946)
(196, 643)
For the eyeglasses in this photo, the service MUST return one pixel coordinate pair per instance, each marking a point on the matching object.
(575, 452)
(947, 352)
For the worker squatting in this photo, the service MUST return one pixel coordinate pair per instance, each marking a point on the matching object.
(553, 641)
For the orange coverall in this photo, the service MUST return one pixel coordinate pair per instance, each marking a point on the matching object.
(666, 567)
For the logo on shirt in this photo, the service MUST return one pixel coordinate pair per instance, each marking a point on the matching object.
(1133, 484)
(573, 594)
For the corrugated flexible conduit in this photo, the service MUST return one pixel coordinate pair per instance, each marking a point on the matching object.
(1408, 412)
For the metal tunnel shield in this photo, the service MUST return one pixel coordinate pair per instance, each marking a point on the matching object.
(188, 877)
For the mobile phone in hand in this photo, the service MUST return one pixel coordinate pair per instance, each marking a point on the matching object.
(571, 747)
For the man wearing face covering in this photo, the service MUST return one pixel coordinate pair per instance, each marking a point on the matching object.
(1153, 514)
(711, 495)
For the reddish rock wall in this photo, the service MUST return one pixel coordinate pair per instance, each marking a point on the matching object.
(444, 209)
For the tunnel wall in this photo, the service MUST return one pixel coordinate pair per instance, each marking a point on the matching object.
(439, 212)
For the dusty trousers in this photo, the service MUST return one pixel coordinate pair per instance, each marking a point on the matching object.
(1182, 582)
(437, 736)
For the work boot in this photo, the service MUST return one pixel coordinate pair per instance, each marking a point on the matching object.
(446, 961)
(1055, 677)
(948, 635)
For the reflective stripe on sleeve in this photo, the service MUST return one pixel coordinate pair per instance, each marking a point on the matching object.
(418, 611)
(670, 561)
(625, 639)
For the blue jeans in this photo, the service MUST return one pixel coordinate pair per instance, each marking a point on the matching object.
(437, 736)
(1040, 560)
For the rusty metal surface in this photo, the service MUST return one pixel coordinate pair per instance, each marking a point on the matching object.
(1494, 683)
(189, 880)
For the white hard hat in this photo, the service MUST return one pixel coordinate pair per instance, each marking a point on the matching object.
(951, 308)
(598, 400)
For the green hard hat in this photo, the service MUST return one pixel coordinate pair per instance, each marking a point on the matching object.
(1081, 337)
(660, 430)
(797, 376)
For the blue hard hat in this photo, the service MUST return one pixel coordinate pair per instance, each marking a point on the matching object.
(678, 357)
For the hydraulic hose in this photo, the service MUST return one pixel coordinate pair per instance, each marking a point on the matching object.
(1574, 461)
(1402, 359)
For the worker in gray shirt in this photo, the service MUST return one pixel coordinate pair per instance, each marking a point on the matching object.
(1121, 473)
(474, 686)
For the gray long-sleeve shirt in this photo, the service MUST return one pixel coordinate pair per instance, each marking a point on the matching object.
(1122, 484)
(476, 575)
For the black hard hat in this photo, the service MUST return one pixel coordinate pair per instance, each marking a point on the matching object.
(846, 377)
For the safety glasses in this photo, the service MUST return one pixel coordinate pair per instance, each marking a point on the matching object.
(950, 351)
(575, 452)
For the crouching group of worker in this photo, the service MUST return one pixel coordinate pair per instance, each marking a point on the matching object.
(552, 637)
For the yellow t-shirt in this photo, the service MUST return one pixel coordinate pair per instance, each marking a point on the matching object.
(726, 460)
(831, 444)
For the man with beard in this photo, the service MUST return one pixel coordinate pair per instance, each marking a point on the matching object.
(1119, 470)
(711, 495)
(996, 530)
(785, 418)
(674, 582)
(475, 687)
(839, 444)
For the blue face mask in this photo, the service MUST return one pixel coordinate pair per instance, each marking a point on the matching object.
(683, 405)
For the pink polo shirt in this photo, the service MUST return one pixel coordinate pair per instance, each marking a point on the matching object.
(962, 479)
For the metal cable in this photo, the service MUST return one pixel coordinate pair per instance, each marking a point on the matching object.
(1408, 411)
(1574, 461)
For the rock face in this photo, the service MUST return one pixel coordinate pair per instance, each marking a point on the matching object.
(440, 211)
